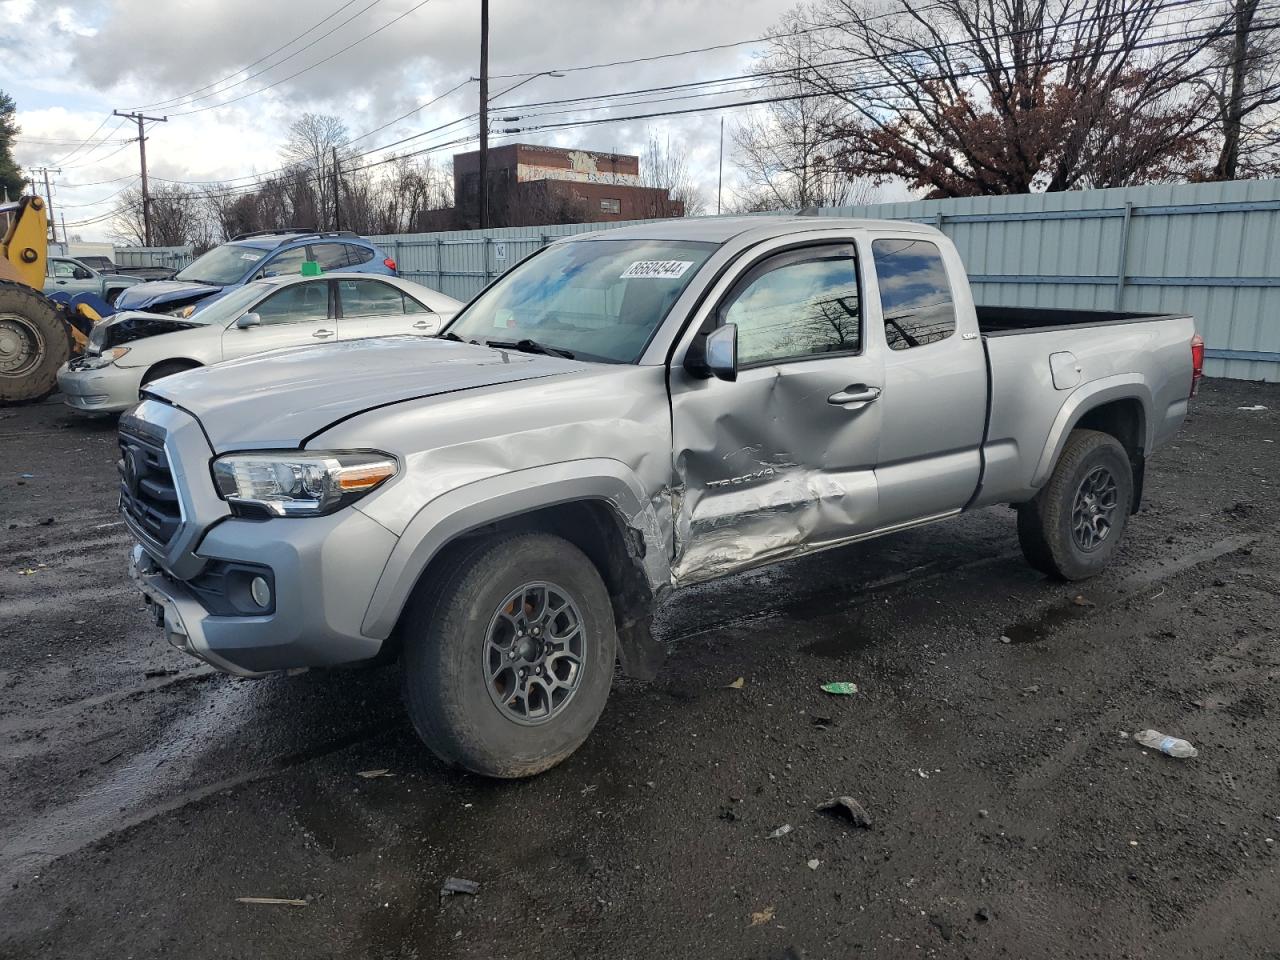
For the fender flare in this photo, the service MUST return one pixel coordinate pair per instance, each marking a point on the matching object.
(492, 499)
(1090, 396)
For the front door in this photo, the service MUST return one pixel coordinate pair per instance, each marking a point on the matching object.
(63, 279)
(782, 460)
(296, 316)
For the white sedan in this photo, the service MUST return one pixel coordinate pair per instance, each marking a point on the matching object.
(129, 350)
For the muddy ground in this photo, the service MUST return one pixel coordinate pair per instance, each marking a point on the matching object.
(141, 793)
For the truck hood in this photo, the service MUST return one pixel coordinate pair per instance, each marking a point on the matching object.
(154, 294)
(280, 399)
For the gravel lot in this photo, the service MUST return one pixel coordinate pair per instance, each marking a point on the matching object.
(141, 793)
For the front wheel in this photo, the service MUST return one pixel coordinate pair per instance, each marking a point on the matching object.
(1073, 527)
(509, 658)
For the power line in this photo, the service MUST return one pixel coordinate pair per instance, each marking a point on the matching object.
(816, 28)
(68, 156)
(307, 69)
(250, 66)
(250, 188)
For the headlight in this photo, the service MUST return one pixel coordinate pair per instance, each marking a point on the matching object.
(97, 361)
(183, 312)
(298, 484)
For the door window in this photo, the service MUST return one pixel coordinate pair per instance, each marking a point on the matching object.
(915, 295)
(797, 305)
(358, 255)
(285, 264)
(330, 256)
(297, 303)
(413, 306)
(370, 298)
(64, 269)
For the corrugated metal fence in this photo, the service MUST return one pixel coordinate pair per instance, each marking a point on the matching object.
(1209, 249)
(175, 258)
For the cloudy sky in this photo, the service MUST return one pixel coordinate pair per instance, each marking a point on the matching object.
(69, 65)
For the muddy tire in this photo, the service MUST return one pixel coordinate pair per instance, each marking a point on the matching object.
(1074, 526)
(508, 658)
(34, 343)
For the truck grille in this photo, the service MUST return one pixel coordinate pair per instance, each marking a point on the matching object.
(147, 493)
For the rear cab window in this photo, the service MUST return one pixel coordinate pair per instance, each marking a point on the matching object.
(915, 293)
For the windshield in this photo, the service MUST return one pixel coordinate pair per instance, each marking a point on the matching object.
(599, 299)
(225, 309)
(222, 265)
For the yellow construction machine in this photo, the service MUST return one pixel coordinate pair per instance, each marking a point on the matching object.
(37, 336)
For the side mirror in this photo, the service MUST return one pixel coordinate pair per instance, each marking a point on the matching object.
(722, 352)
(249, 320)
(80, 273)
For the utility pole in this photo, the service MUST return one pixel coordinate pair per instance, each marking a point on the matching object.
(720, 175)
(484, 114)
(337, 211)
(48, 199)
(142, 156)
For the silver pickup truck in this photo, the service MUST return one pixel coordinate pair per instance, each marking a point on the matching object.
(620, 415)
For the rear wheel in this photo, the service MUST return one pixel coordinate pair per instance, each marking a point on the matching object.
(508, 659)
(34, 343)
(1074, 526)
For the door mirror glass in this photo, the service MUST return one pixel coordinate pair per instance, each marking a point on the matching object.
(249, 320)
(722, 352)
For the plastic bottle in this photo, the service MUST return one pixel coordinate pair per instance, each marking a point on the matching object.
(1171, 746)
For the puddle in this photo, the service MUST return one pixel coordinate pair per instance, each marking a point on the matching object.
(1050, 619)
(840, 635)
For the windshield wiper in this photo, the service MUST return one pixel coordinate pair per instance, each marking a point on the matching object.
(450, 335)
(529, 346)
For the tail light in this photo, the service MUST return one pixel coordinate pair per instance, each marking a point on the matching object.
(1197, 362)
(389, 264)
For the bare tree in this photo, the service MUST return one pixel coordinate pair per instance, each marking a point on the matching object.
(785, 150)
(309, 150)
(1244, 90)
(177, 216)
(973, 97)
(666, 167)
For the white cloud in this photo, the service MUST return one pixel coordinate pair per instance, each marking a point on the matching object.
(106, 54)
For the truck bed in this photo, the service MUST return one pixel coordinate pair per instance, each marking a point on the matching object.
(1003, 321)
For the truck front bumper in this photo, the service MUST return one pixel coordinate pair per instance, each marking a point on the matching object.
(322, 571)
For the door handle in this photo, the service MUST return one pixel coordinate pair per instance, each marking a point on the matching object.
(857, 393)
(422, 325)
(322, 334)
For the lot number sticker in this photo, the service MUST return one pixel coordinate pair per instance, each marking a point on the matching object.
(657, 269)
(500, 251)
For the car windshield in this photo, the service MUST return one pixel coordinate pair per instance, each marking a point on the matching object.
(222, 265)
(598, 299)
(225, 309)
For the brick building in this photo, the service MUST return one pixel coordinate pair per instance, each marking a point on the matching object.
(531, 184)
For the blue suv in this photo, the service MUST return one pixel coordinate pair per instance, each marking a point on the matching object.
(251, 256)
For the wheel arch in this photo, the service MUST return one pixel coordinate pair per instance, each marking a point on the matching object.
(600, 510)
(1119, 406)
(188, 363)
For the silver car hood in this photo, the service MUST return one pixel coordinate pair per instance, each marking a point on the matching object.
(280, 399)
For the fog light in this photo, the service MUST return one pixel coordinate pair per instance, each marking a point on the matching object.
(260, 590)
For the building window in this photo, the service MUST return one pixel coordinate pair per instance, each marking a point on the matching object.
(610, 206)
